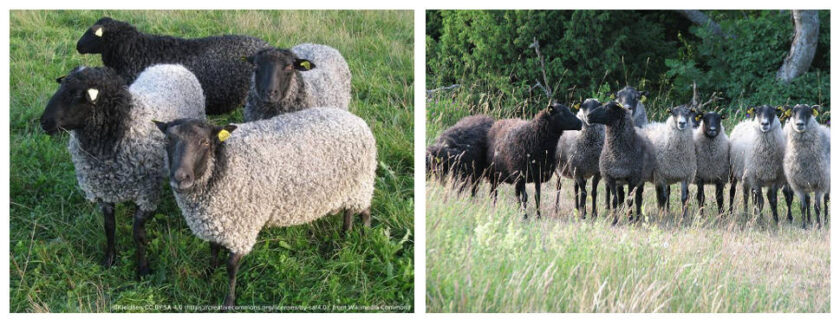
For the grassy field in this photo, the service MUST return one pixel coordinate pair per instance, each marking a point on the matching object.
(482, 258)
(56, 236)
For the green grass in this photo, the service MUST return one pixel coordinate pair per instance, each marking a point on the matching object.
(56, 236)
(482, 258)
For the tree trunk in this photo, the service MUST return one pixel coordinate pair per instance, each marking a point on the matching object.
(804, 45)
(702, 19)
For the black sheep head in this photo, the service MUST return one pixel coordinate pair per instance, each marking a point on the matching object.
(274, 70)
(766, 117)
(711, 123)
(610, 114)
(630, 98)
(561, 118)
(802, 115)
(190, 146)
(73, 104)
(96, 38)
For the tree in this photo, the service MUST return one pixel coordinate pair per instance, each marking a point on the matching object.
(804, 45)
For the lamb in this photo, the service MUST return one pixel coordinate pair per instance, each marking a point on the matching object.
(521, 152)
(115, 148)
(633, 99)
(215, 61)
(461, 151)
(806, 159)
(711, 146)
(286, 80)
(577, 157)
(756, 153)
(628, 155)
(673, 143)
(232, 181)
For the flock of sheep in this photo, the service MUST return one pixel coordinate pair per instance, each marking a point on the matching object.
(614, 141)
(299, 156)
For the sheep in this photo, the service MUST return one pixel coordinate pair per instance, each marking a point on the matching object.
(806, 159)
(711, 146)
(232, 181)
(633, 99)
(461, 151)
(756, 153)
(521, 152)
(673, 143)
(216, 61)
(627, 157)
(287, 80)
(116, 150)
(577, 157)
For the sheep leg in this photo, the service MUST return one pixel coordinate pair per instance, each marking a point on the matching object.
(557, 195)
(637, 193)
(611, 206)
(684, 197)
(494, 191)
(140, 218)
(522, 196)
(232, 269)
(214, 258)
(732, 184)
(366, 217)
(660, 198)
(578, 199)
(746, 192)
(595, 180)
(788, 193)
(758, 200)
(701, 196)
(719, 196)
(817, 197)
(110, 252)
(474, 190)
(668, 198)
(773, 199)
(804, 201)
(825, 208)
(348, 222)
(537, 188)
(583, 195)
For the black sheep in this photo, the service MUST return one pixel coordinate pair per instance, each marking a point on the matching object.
(216, 61)
(521, 152)
(461, 151)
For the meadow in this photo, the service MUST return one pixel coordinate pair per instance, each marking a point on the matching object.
(485, 258)
(56, 236)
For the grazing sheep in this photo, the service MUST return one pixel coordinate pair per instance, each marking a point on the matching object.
(116, 150)
(633, 99)
(461, 151)
(711, 146)
(286, 80)
(806, 160)
(215, 61)
(628, 155)
(673, 144)
(756, 152)
(577, 157)
(230, 182)
(521, 152)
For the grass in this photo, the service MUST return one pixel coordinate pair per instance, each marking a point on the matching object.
(56, 236)
(482, 258)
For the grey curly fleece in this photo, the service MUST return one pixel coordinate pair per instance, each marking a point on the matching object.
(674, 149)
(755, 157)
(327, 85)
(135, 169)
(578, 152)
(712, 155)
(287, 170)
(807, 159)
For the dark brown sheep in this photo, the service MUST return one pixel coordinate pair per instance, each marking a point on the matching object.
(461, 151)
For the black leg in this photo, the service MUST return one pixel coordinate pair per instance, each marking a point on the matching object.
(804, 201)
(668, 198)
(719, 196)
(746, 192)
(140, 218)
(557, 195)
(759, 200)
(582, 184)
(232, 269)
(732, 184)
(639, 191)
(595, 180)
(701, 197)
(577, 198)
(537, 187)
(110, 226)
(684, 197)
(772, 198)
(788, 193)
(474, 190)
(614, 203)
(522, 196)
(214, 258)
(817, 197)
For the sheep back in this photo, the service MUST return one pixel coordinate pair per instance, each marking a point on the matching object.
(329, 82)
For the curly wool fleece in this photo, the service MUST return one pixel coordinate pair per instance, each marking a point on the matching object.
(327, 85)
(135, 169)
(288, 170)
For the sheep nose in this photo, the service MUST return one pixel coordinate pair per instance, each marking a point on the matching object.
(182, 176)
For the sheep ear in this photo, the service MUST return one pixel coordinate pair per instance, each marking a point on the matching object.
(162, 126)
(644, 94)
(643, 99)
(698, 117)
(223, 133)
(59, 79)
(92, 95)
(304, 65)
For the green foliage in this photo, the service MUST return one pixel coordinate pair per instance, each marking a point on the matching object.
(488, 53)
(56, 236)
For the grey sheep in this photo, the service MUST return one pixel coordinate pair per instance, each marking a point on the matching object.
(231, 182)
(215, 61)
(578, 153)
(521, 152)
(634, 99)
(287, 80)
(711, 146)
(807, 159)
(116, 150)
(628, 155)
(461, 151)
(673, 143)
(756, 154)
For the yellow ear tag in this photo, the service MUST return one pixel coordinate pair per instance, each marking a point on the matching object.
(612, 96)
(576, 106)
(698, 117)
(223, 135)
(644, 98)
(98, 32)
(787, 113)
(815, 112)
(621, 105)
(306, 65)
